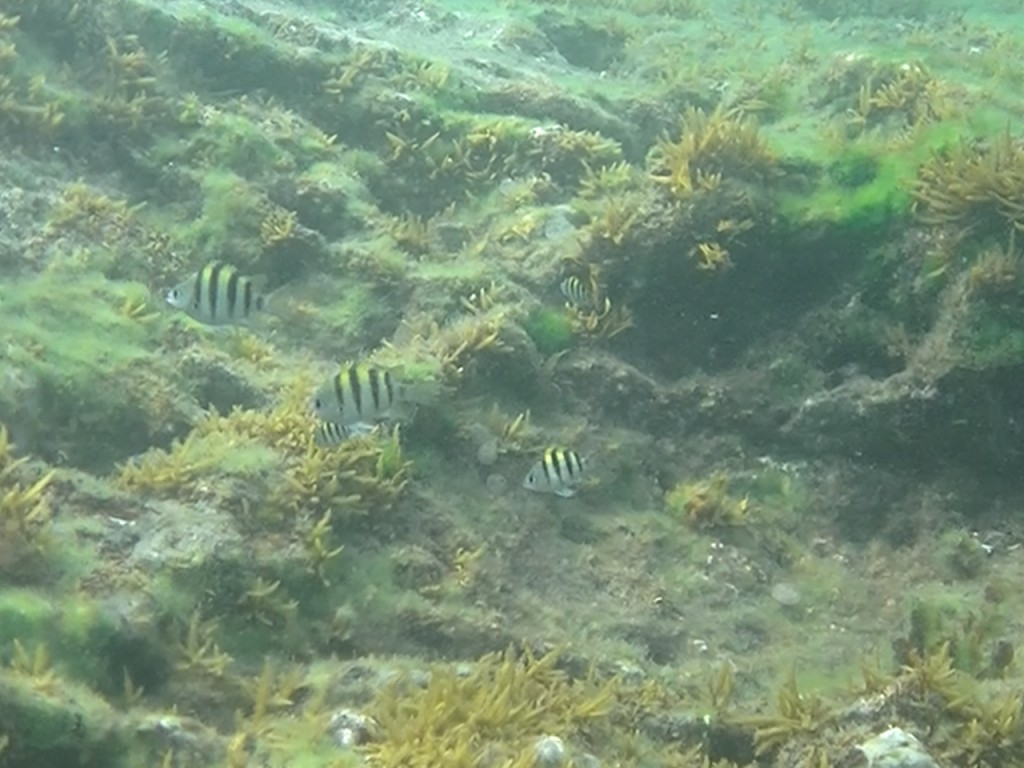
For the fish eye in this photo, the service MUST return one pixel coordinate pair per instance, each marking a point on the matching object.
(175, 294)
(317, 404)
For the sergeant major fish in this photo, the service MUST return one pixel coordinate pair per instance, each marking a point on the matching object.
(558, 471)
(330, 435)
(578, 294)
(360, 395)
(218, 295)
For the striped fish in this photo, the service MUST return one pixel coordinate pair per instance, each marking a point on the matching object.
(358, 396)
(330, 435)
(558, 471)
(217, 295)
(578, 294)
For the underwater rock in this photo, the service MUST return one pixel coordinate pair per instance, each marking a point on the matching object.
(452, 236)
(914, 416)
(622, 389)
(895, 748)
(487, 453)
(785, 594)
(350, 728)
(185, 535)
(413, 567)
(58, 723)
(549, 752)
(296, 256)
(183, 735)
(218, 382)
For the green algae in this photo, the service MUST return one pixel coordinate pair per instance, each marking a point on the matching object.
(72, 326)
(82, 339)
(84, 640)
(229, 223)
(72, 728)
(24, 615)
(550, 330)
(859, 191)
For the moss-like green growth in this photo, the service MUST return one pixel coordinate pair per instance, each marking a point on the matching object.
(867, 184)
(971, 641)
(80, 640)
(862, 193)
(230, 225)
(67, 726)
(80, 340)
(582, 43)
(855, 168)
(24, 615)
(993, 338)
(833, 9)
(551, 330)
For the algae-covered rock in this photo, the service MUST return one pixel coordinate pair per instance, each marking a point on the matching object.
(59, 723)
(912, 417)
(86, 640)
(895, 748)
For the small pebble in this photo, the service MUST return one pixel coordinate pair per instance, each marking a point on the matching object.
(549, 752)
(350, 729)
(487, 453)
(785, 594)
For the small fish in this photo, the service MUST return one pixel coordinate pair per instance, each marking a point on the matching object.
(359, 396)
(330, 435)
(559, 471)
(578, 294)
(218, 295)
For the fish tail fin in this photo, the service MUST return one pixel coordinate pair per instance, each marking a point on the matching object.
(418, 387)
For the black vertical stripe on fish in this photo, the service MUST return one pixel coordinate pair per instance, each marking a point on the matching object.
(545, 465)
(232, 292)
(212, 289)
(353, 382)
(389, 387)
(329, 433)
(339, 391)
(575, 291)
(374, 376)
(568, 457)
(247, 298)
(196, 300)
